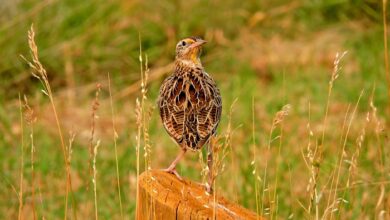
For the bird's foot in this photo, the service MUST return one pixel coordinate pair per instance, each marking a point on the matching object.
(208, 188)
(173, 171)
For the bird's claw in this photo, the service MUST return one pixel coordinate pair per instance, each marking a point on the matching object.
(173, 171)
(208, 188)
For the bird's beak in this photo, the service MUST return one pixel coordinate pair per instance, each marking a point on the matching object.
(198, 43)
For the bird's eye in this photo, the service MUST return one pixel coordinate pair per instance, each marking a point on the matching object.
(183, 43)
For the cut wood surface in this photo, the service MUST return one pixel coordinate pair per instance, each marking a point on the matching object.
(163, 196)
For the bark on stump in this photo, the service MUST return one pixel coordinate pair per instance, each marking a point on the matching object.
(163, 196)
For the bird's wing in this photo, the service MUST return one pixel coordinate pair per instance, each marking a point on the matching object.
(170, 104)
(209, 114)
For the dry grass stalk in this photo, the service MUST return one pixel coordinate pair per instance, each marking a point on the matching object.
(72, 136)
(94, 116)
(335, 75)
(30, 119)
(314, 154)
(39, 72)
(379, 129)
(115, 135)
(147, 114)
(20, 194)
(257, 179)
(228, 138)
(312, 160)
(352, 170)
(387, 70)
(353, 162)
(280, 116)
(220, 149)
(334, 207)
(138, 114)
(93, 147)
(330, 206)
(277, 120)
(309, 159)
(143, 115)
(95, 150)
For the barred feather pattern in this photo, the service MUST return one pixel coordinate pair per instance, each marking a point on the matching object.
(190, 105)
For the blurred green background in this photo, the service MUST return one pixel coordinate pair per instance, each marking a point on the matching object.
(276, 52)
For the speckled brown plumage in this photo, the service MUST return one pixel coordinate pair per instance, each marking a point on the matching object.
(190, 105)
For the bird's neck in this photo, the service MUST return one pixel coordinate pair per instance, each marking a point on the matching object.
(188, 63)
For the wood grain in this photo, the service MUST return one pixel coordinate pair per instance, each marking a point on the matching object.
(163, 196)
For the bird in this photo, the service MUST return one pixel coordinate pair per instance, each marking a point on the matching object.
(190, 104)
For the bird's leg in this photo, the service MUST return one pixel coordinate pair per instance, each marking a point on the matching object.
(210, 181)
(172, 167)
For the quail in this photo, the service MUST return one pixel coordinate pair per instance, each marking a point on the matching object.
(190, 103)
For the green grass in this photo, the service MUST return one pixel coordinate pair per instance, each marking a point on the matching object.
(286, 58)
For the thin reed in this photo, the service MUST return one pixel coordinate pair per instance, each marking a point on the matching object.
(93, 147)
(30, 119)
(95, 151)
(39, 72)
(386, 51)
(143, 112)
(115, 135)
(20, 194)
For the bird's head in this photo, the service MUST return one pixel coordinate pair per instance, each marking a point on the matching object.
(189, 49)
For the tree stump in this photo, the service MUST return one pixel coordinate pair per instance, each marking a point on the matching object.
(163, 196)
